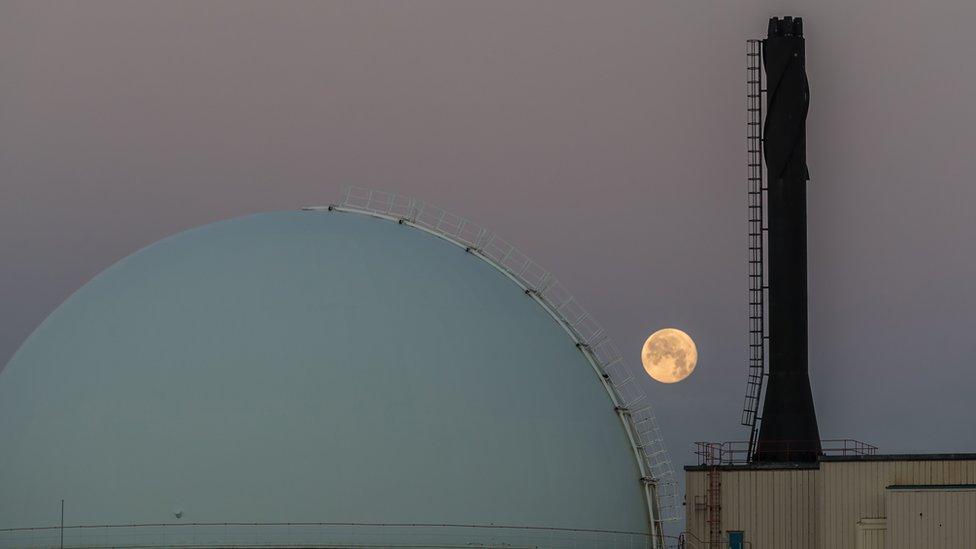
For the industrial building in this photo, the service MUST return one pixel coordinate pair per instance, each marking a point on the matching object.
(852, 501)
(784, 487)
(375, 373)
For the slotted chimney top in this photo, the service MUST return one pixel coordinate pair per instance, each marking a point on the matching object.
(787, 26)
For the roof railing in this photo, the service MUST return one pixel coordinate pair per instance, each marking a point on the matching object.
(738, 452)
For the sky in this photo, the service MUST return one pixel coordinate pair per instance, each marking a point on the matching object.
(605, 139)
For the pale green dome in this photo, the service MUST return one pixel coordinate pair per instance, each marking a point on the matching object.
(314, 367)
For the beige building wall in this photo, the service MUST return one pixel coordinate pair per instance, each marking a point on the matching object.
(774, 508)
(838, 505)
(855, 490)
(870, 534)
(932, 518)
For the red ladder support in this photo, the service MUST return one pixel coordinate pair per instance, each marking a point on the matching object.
(714, 507)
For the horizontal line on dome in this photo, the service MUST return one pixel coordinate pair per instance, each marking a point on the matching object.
(366, 524)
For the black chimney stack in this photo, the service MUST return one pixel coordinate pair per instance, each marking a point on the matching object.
(788, 431)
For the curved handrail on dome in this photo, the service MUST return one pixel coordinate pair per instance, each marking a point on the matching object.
(629, 399)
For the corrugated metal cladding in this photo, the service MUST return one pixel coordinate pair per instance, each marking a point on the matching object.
(830, 507)
(870, 533)
(932, 518)
(774, 508)
(853, 490)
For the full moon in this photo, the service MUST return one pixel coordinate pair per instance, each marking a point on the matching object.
(669, 355)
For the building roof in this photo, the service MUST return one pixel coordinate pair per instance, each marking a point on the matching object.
(876, 457)
(937, 487)
(905, 457)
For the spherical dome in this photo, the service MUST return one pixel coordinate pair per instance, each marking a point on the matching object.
(308, 367)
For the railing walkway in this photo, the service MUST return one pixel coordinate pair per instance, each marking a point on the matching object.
(713, 454)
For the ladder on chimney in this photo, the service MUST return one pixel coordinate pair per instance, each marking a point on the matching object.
(758, 290)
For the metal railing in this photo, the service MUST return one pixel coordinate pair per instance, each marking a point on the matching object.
(590, 337)
(316, 534)
(739, 452)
